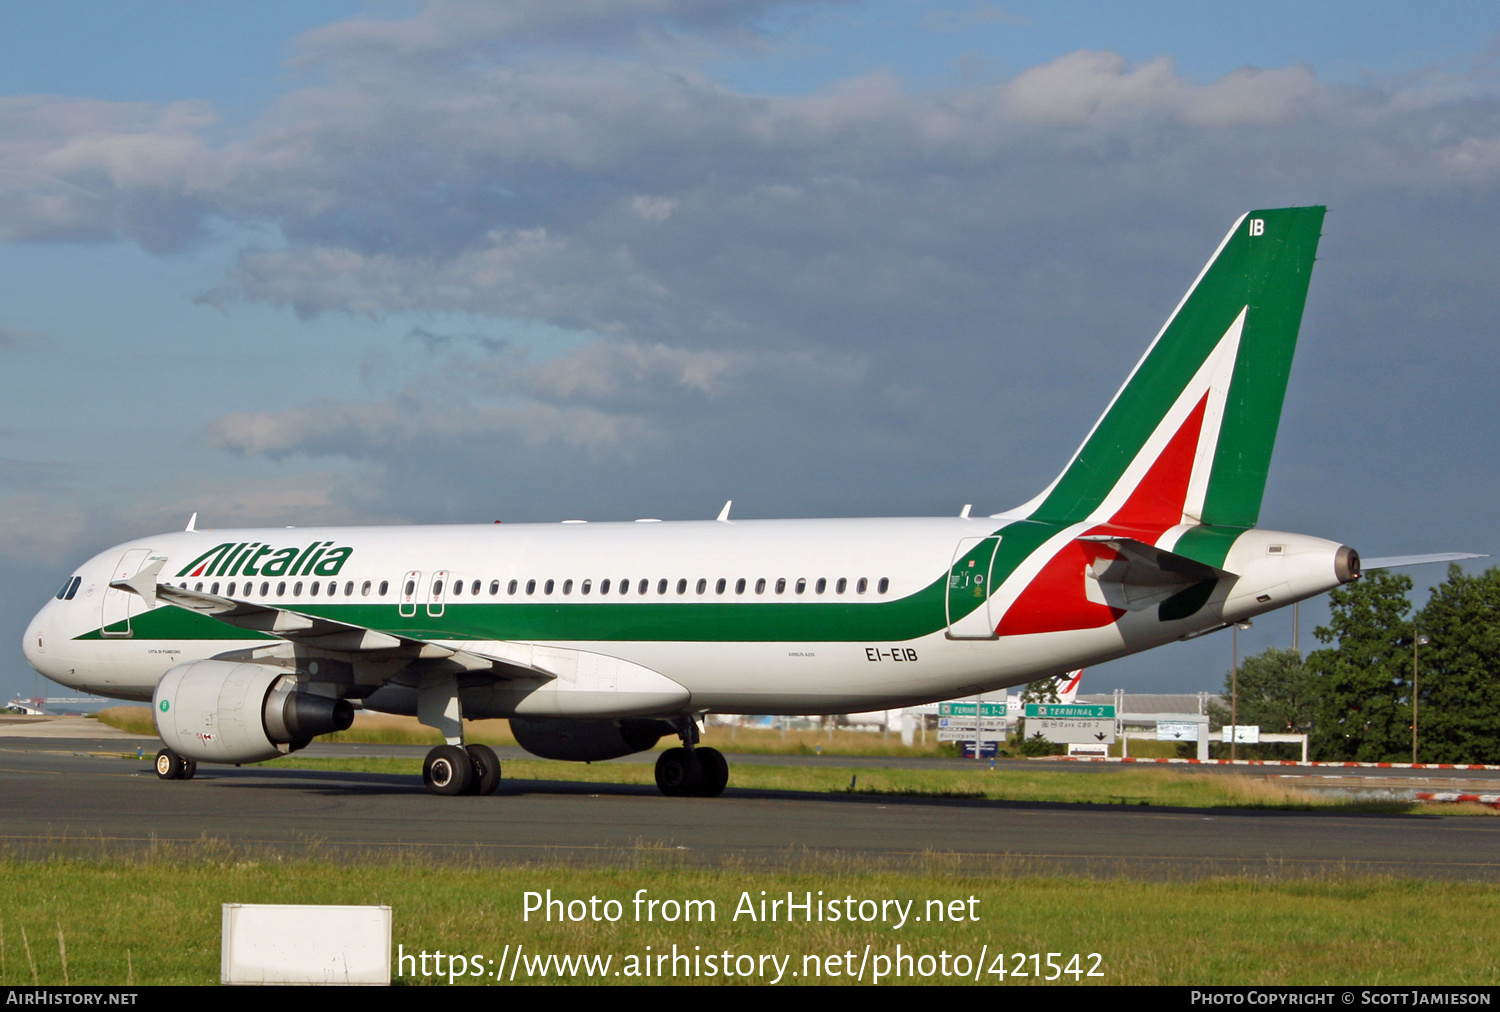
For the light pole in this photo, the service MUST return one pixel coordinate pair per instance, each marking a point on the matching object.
(1416, 646)
(1234, 694)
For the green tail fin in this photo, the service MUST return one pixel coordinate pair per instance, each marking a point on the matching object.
(1188, 438)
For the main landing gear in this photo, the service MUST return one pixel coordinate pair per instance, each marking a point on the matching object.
(171, 766)
(691, 771)
(451, 769)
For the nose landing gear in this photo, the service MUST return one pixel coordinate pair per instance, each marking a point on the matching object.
(171, 766)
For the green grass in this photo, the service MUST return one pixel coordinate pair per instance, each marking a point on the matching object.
(154, 919)
(1129, 786)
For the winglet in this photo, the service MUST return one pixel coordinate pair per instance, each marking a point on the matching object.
(143, 582)
(724, 513)
(192, 523)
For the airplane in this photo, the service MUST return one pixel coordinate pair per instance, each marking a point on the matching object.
(596, 640)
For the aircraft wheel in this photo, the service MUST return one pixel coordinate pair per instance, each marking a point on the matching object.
(169, 765)
(447, 770)
(715, 770)
(675, 773)
(486, 766)
(189, 768)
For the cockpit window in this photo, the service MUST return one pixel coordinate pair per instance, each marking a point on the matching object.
(69, 588)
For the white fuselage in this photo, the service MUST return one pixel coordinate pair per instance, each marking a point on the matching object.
(793, 616)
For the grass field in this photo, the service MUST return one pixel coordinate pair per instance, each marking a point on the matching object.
(155, 920)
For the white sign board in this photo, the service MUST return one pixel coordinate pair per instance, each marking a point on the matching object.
(1176, 730)
(1066, 731)
(1244, 734)
(298, 944)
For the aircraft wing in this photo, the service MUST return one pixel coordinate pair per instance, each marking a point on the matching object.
(317, 631)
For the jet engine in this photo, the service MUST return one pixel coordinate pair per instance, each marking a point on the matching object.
(232, 712)
(587, 740)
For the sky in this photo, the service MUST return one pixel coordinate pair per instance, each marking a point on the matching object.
(338, 262)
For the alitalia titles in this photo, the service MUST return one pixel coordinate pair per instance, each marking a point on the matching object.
(254, 558)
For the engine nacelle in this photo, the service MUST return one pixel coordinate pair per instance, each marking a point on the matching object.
(232, 712)
(587, 740)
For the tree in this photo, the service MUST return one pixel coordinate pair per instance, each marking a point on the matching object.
(1277, 693)
(1458, 714)
(1363, 684)
(1042, 691)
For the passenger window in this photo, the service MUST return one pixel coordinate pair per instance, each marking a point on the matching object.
(821, 585)
(567, 586)
(588, 585)
(781, 585)
(510, 588)
(265, 589)
(313, 590)
(411, 587)
(624, 586)
(458, 588)
(474, 589)
(760, 585)
(681, 586)
(702, 585)
(661, 586)
(530, 587)
(604, 586)
(495, 587)
(547, 587)
(215, 588)
(719, 587)
(384, 586)
(297, 589)
(281, 589)
(230, 591)
(885, 584)
(801, 584)
(841, 586)
(437, 589)
(364, 590)
(739, 585)
(349, 589)
(198, 588)
(644, 584)
(862, 586)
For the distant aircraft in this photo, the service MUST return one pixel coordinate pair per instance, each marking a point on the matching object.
(597, 639)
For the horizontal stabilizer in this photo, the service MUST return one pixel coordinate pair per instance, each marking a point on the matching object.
(1397, 561)
(1141, 575)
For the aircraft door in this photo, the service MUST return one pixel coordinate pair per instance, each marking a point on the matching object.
(969, 589)
(437, 594)
(406, 605)
(119, 605)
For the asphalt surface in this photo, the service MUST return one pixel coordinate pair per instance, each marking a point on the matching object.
(80, 796)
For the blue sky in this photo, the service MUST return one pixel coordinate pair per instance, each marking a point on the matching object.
(371, 263)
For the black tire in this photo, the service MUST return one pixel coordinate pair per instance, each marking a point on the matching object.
(189, 768)
(168, 765)
(673, 773)
(447, 770)
(715, 770)
(486, 769)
